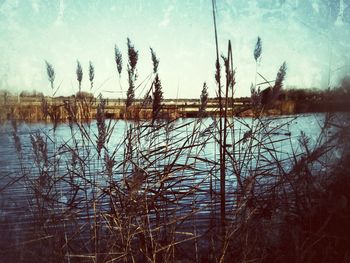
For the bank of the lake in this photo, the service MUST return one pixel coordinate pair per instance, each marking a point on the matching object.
(36, 109)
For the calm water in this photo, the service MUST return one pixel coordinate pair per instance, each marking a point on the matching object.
(252, 148)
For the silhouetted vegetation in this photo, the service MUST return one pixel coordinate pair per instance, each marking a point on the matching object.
(91, 74)
(270, 94)
(132, 74)
(79, 72)
(204, 101)
(157, 85)
(50, 73)
(316, 100)
(258, 49)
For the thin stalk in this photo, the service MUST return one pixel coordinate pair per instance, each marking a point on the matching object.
(222, 151)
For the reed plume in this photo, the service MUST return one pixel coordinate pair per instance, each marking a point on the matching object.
(91, 74)
(281, 75)
(132, 74)
(50, 73)
(118, 59)
(257, 49)
(157, 93)
(204, 100)
(79, 72)
(155, 61)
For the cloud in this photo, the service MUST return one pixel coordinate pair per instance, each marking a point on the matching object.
(35, 6)
(59, 19)
(166, 18)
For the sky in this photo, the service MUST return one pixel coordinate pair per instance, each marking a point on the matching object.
(312, 36)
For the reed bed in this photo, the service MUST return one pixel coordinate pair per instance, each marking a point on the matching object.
(155, 194)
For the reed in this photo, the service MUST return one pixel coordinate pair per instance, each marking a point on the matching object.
(204, 101)
(79, 72)
(91, 75)
(50, 73)
(132, 74)
(157, 85)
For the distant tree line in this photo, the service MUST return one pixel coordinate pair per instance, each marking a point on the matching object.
(335, 94)
(317, 100)
(31, 94)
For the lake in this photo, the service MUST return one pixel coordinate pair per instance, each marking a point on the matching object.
(65, 177)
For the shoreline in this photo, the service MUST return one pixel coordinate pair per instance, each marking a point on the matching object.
(62, 109)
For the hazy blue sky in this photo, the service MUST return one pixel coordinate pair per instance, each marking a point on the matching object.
(310, 35)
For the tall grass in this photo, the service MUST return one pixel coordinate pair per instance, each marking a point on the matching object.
(132, 74)
(79, 72)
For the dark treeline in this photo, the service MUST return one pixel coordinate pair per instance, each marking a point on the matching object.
(316, 100)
